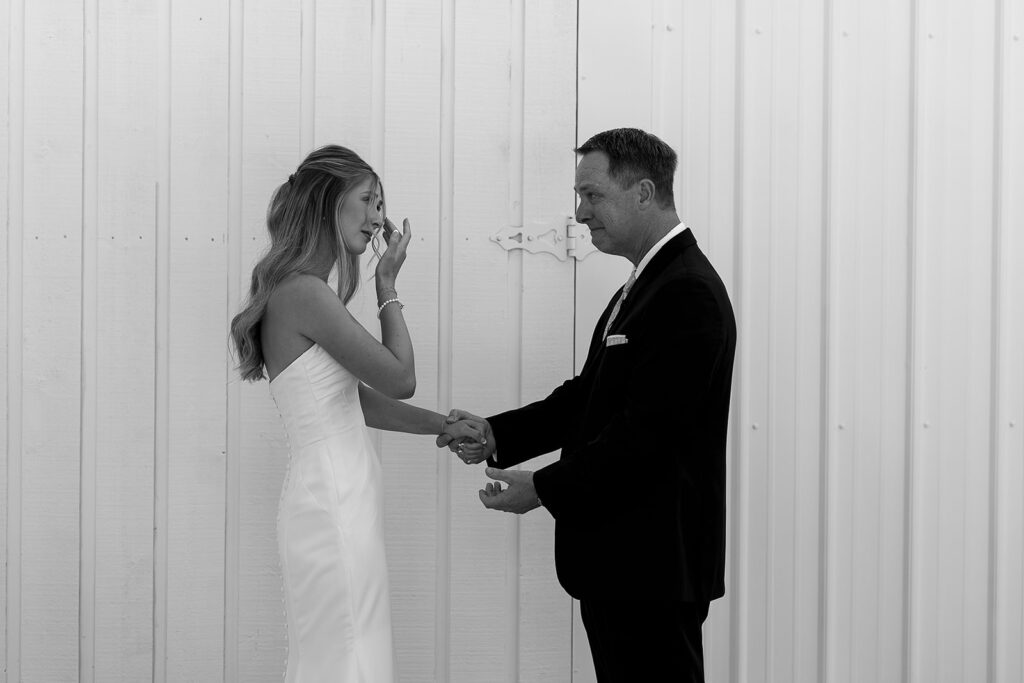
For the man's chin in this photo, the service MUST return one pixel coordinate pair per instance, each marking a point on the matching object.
(597, 238)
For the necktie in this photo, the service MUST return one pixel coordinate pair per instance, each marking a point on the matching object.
(618, 304)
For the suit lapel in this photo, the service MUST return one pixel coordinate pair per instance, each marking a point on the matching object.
(650, 276)
(676, 246)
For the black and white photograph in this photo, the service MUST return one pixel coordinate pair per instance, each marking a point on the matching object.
(512, 341)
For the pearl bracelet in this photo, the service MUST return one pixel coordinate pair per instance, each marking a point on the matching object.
(389, 301)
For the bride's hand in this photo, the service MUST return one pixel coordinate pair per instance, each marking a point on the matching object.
(394, 256)
(466, 438)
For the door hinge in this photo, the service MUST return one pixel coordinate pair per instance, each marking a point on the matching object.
(563, 238)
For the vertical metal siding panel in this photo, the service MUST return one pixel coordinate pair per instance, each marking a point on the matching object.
(869, 216)
(795, 344)
(88, 341)
(892, 386)
(236, 284)
(754, 347)
(10, 182)
(121, 173)
(1008, 619)
(307, 75)
(161, 356)
(52, 317)
(199, 362)
(689, 109)
(514, 306)
(482, 541)
(808, 336)
(549, 135)
(679, 55)
(344, 76)
(953, 354)
(409, 101)
(270, 144)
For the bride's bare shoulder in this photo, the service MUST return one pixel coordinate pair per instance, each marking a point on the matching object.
(300, 293)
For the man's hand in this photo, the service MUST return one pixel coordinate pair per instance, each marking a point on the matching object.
(519, 497)
(469, 451)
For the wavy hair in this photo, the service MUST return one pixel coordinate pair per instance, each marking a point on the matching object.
(302, 220)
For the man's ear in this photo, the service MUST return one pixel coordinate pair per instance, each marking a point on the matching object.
(646, 194)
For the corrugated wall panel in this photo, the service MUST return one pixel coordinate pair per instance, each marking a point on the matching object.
(51, 367)
(7, 173)
(953, 234)
(868, 213)
(779, 356)
(118, 339)
(198, 360)
(1007, 617)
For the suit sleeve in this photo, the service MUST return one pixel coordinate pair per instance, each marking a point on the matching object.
(677, 353)
(537, 428)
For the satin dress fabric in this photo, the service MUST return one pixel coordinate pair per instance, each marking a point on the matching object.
(330, 529)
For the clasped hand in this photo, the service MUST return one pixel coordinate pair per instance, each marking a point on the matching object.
(520, 495)
(469, 449)
(467, 437)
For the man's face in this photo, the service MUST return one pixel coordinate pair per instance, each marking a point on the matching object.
(607, 209)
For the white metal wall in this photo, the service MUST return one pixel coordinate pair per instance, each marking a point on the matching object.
(852, 167)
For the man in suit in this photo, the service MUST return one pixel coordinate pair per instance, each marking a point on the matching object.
(638, 494)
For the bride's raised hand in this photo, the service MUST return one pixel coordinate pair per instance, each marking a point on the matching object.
(394, 256)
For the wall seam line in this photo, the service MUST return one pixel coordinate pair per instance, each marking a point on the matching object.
(307, 77)
(995, 405)
(739, 635)
(910, 407)
(15, 331)
(446, 201)
(514, 292)
(88, 346)
(233, 386)
(161, 393)
(825, 415)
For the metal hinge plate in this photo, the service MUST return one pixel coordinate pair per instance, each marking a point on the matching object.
(564, 238)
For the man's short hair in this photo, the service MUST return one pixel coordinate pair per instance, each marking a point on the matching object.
(633, 155)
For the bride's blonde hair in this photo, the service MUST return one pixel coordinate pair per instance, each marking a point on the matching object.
(302, 220)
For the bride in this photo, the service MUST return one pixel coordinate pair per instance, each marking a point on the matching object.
(331, 379)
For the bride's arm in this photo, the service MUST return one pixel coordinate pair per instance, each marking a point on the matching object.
(319, 315)
(383, 412)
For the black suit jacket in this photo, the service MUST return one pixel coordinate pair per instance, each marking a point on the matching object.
(638, 494)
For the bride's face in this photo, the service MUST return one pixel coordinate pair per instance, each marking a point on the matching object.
(360, 215)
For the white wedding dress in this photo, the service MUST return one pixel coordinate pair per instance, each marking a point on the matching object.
(330, 529)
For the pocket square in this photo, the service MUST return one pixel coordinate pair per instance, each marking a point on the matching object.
(615, 340)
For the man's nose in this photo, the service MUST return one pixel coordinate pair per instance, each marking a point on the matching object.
(582, 212)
